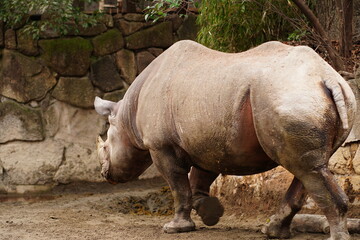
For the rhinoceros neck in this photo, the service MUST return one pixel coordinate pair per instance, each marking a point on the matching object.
(129, 110)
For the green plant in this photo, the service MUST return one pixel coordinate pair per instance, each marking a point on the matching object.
(236, 25)
(159, 9)
(297, 35)
(58, 15)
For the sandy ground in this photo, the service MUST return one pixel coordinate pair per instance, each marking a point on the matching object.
(104, 211)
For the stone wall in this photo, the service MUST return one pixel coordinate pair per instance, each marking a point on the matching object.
(47, 87)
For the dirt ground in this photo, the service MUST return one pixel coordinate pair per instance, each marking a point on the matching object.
(135, 210)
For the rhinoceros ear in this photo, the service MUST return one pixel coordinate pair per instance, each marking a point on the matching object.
(104, 107)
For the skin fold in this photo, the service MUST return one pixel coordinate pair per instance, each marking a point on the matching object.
(205, 112)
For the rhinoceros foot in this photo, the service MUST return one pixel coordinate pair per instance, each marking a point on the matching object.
(210, 210)
(177, 226)
(340, 236)
(276, 228)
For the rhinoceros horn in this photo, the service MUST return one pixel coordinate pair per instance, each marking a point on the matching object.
(100, 150)
(99, 143)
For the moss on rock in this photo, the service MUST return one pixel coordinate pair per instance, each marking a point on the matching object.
(108, 42)
(78, 92)
(159, 35)
(67, 56)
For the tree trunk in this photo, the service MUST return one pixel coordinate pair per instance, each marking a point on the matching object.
(347, 32)
(336, 60)
(336, 16)
(319, 224)
(326, 12)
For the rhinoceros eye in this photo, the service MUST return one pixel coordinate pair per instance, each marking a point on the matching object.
(105, 148)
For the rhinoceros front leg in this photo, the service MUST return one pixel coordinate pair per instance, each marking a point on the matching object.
(208, 208)
(279, 225)
(175, 171)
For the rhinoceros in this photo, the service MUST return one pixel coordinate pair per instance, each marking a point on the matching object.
(214, 113)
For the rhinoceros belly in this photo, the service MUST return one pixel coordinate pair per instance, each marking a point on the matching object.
(246, 163)
(229, 146)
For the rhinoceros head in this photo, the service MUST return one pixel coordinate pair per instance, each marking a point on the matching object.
(120, 160)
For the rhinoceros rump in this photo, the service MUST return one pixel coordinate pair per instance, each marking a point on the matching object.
(239, 114)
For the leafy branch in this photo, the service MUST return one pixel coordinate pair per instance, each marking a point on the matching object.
(58, 15)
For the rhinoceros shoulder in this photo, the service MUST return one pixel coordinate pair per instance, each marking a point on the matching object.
(270, 46)
(188, 47)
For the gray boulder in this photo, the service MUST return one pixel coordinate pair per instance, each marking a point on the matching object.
(19, 122)
(26, 44)
(27, 163)
(134, 17)
(189, 29)
(79, 164)
(73, 125)
(143, 59)
(105, 75)
(125, 61)
(128, 28)
(23, 78)
(93, 30)
(10, 39)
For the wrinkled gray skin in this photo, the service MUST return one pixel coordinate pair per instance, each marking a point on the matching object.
(236, 114)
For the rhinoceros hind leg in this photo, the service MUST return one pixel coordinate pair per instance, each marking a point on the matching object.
(279, 225)
(330, 198)
(208, 208)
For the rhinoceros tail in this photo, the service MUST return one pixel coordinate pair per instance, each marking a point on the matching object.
(338, 96)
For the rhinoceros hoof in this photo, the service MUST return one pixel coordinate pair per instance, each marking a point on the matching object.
(340, 236)
(274, 229)
(278, 233)
(210, 210)
(179, 226)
